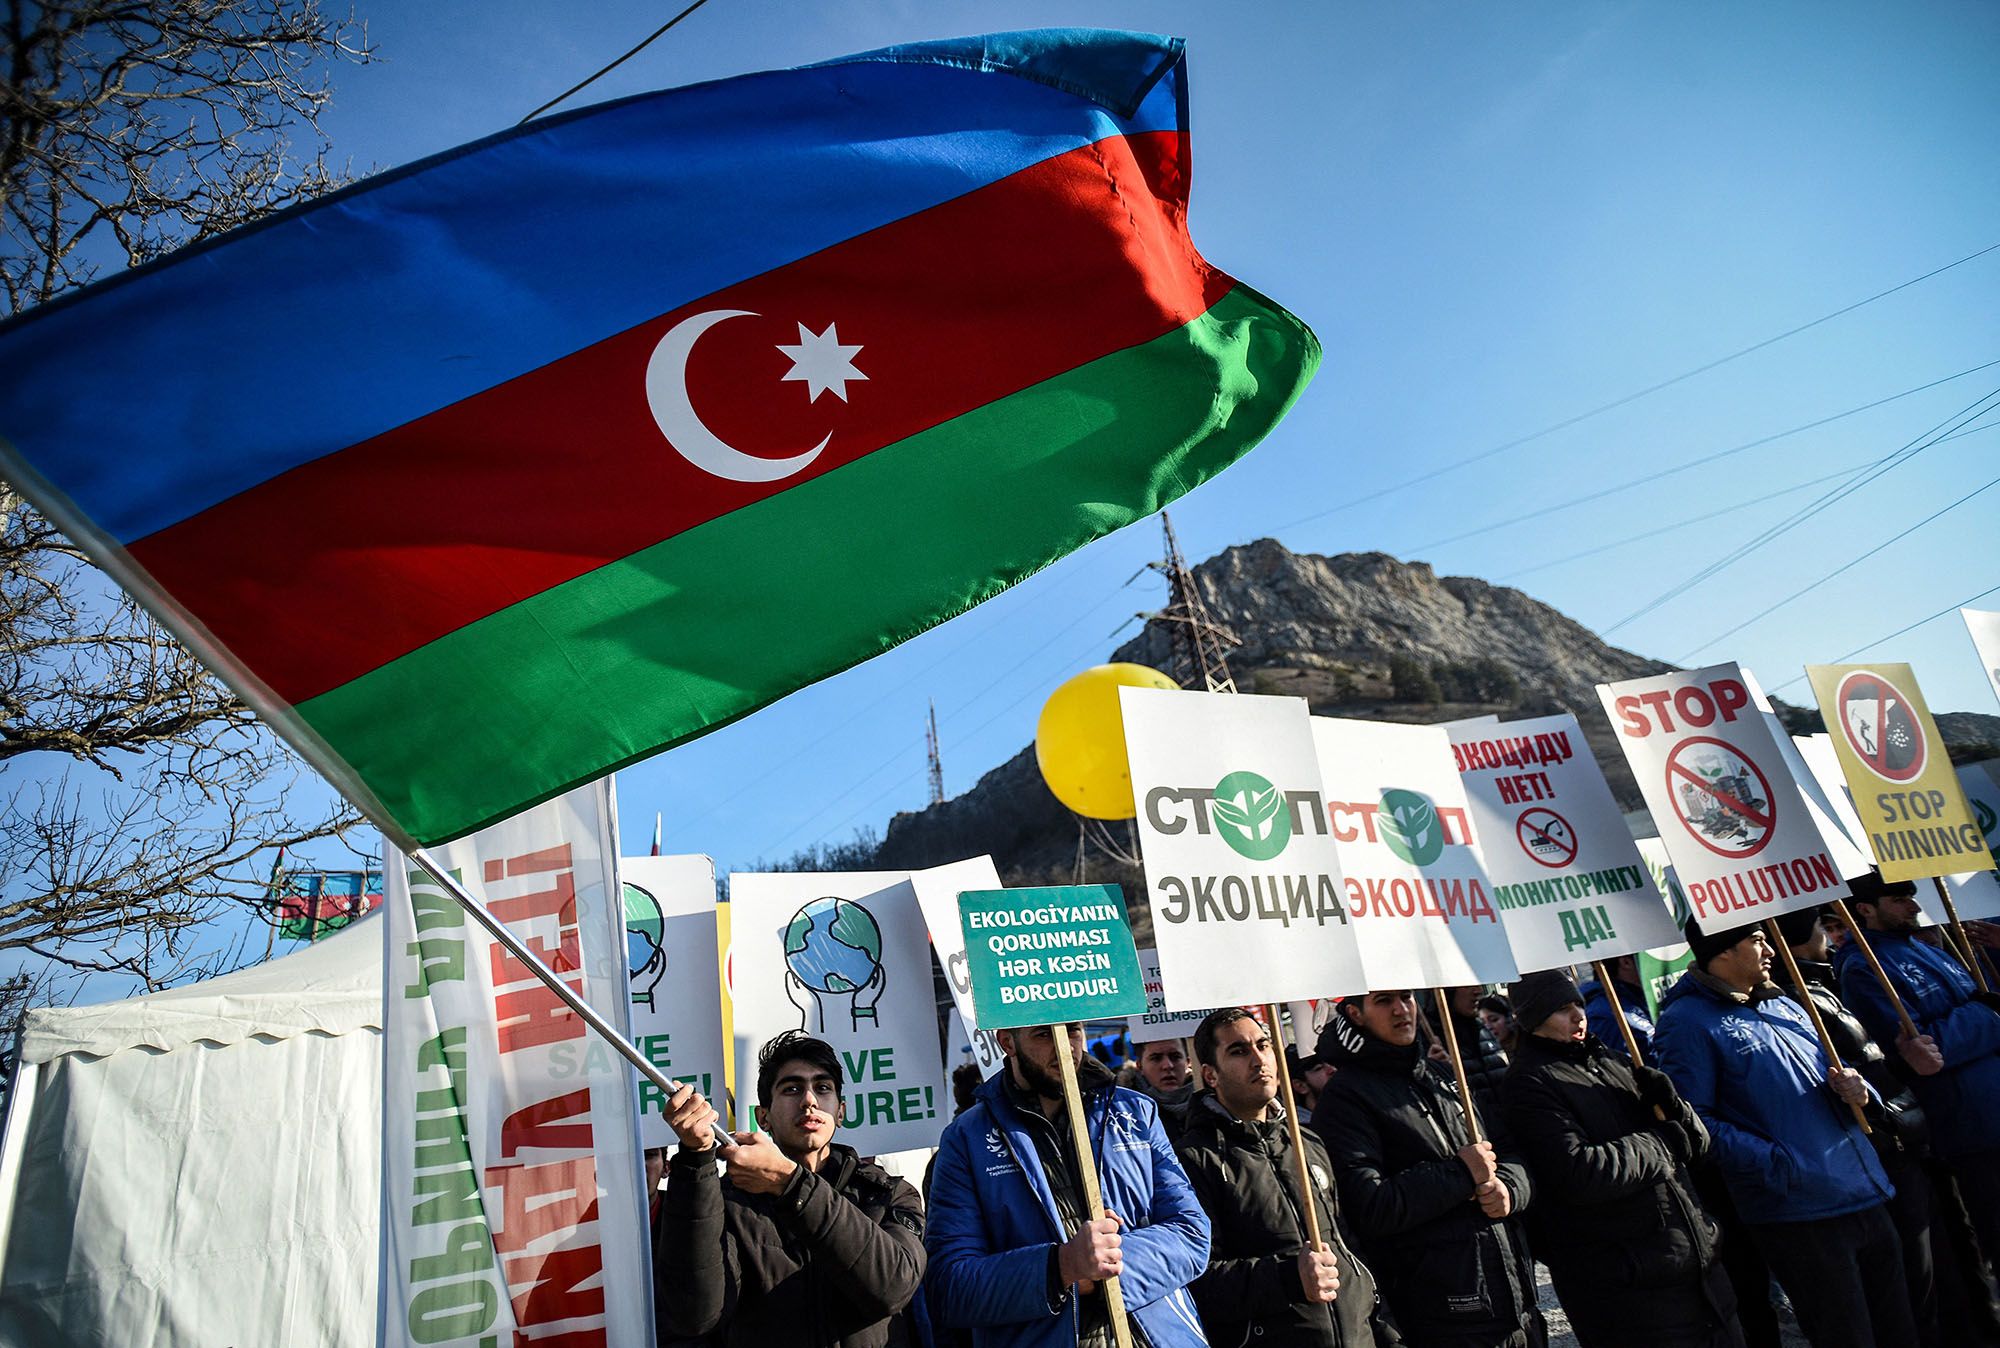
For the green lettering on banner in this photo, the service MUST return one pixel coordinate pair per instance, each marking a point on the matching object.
(1092, 972)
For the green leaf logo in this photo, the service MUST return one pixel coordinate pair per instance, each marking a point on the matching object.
(1408, 822)
(1250, 815)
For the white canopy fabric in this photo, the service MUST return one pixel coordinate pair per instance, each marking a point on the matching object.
(201, 1166)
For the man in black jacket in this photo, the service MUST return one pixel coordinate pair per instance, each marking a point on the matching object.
(804, 1242)
(1266, 1284)
(1616, 1218)
(1430, 1209)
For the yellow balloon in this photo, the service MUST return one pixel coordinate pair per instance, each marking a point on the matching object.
(1080, 740)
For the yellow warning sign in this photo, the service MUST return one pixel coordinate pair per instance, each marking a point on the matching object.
(1904, 788)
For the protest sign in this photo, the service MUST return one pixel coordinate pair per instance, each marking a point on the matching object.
(1830, 811)
(937, 891)
(1729, 812)
(1662, 965)
(1901, 779)
(1567, 879)
(510, 1167)
(979, 1047)
(1977, 893)
(670, 945)
(845, 958)
(1816, 752)
(1241, 872)
(1040, 956)
(1984, 629)
(1418, 892)
(1157, 1021)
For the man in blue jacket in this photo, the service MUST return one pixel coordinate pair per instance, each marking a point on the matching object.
(1597, 1007)
(1802, 1174)
(1961, 1099)
(1014, 1255)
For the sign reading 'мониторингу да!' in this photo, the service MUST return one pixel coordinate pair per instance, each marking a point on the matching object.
(1039, 956)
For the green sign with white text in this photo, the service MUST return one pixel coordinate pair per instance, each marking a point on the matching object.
(1061, 953)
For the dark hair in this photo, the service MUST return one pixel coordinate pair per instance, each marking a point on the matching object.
(1497, 1004)
(965, 1083)
(1217, 1021)
(795, 1046)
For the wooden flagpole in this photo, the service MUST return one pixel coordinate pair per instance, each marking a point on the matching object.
(1972, 960)
(1881, 974)
(1777, 938)
(1292, 1123)
(1450, 1036)
(1086, 1165)
(1624, 1028)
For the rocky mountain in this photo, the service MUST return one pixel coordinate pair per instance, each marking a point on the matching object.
(1359, 634)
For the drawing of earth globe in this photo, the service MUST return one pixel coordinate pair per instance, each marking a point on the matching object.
(833, 945)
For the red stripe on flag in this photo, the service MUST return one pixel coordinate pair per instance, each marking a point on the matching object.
(344, 564)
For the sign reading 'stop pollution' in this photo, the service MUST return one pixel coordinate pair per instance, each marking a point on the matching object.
(1040, 956)
(1904, 789)
(1722, 796)
(1245, 885)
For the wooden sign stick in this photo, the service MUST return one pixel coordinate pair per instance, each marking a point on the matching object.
(1086, 1164)
(1881, 974)
(1292, 1121)
(1624, 1028)
(1972, 959)
(1777, 938)
(1457, 1064)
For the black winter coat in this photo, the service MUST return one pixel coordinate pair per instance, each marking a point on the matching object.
(831, 1261)
(1248, 1183)
(1393, 1130)
(1616, 1218)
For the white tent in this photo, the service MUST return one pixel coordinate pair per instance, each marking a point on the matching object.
(201, 1166)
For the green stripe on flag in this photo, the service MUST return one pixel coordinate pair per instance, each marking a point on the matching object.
(687, 636)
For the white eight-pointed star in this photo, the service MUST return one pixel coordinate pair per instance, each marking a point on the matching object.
(822, 362)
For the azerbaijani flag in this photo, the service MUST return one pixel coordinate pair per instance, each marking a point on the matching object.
(489, 475)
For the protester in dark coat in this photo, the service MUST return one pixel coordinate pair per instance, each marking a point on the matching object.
(1264, 1286)
(1616, 1218)
(1803, 1176)
(804, 1242)
(1431, 1211)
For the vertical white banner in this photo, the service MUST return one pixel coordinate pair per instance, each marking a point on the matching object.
(1567, 879)
(847, 958)
(676, 980)
(1984, 629)
(937, 891)
(1418, 889)
(1731, 814)
(1241, 874)
(511, 1173)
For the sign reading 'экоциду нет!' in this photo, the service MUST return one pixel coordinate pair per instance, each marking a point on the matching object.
(1039, 956)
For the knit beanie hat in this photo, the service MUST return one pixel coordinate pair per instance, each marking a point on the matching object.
(1540, 995)
(1706, 946)
(1797, 925)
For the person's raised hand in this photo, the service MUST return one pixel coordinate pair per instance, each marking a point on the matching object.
(1479, 1162)
(1922, 1054)
(692, 1118)
(1319, 1274)
(1091, 1254)
(755, 1165)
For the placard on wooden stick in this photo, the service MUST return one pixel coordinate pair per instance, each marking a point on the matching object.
(1053, 956)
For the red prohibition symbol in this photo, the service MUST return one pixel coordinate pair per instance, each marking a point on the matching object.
(1722, 798)
(1546, 837)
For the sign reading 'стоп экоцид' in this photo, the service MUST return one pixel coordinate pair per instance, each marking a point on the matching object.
(1039, 956)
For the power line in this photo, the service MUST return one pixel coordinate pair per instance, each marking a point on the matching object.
(592, 79)
(1628, 398)
(1921, 622)
(1847, 566)
(1889, 462)
(1705, 459)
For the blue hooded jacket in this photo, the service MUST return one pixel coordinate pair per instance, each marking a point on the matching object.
(1963, 1101)
(1789, 1149)
(1605, 1025)
(993, 1220)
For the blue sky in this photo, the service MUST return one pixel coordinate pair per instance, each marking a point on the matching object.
(1497, 218)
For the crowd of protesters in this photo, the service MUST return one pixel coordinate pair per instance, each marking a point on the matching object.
(1676, 1174)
